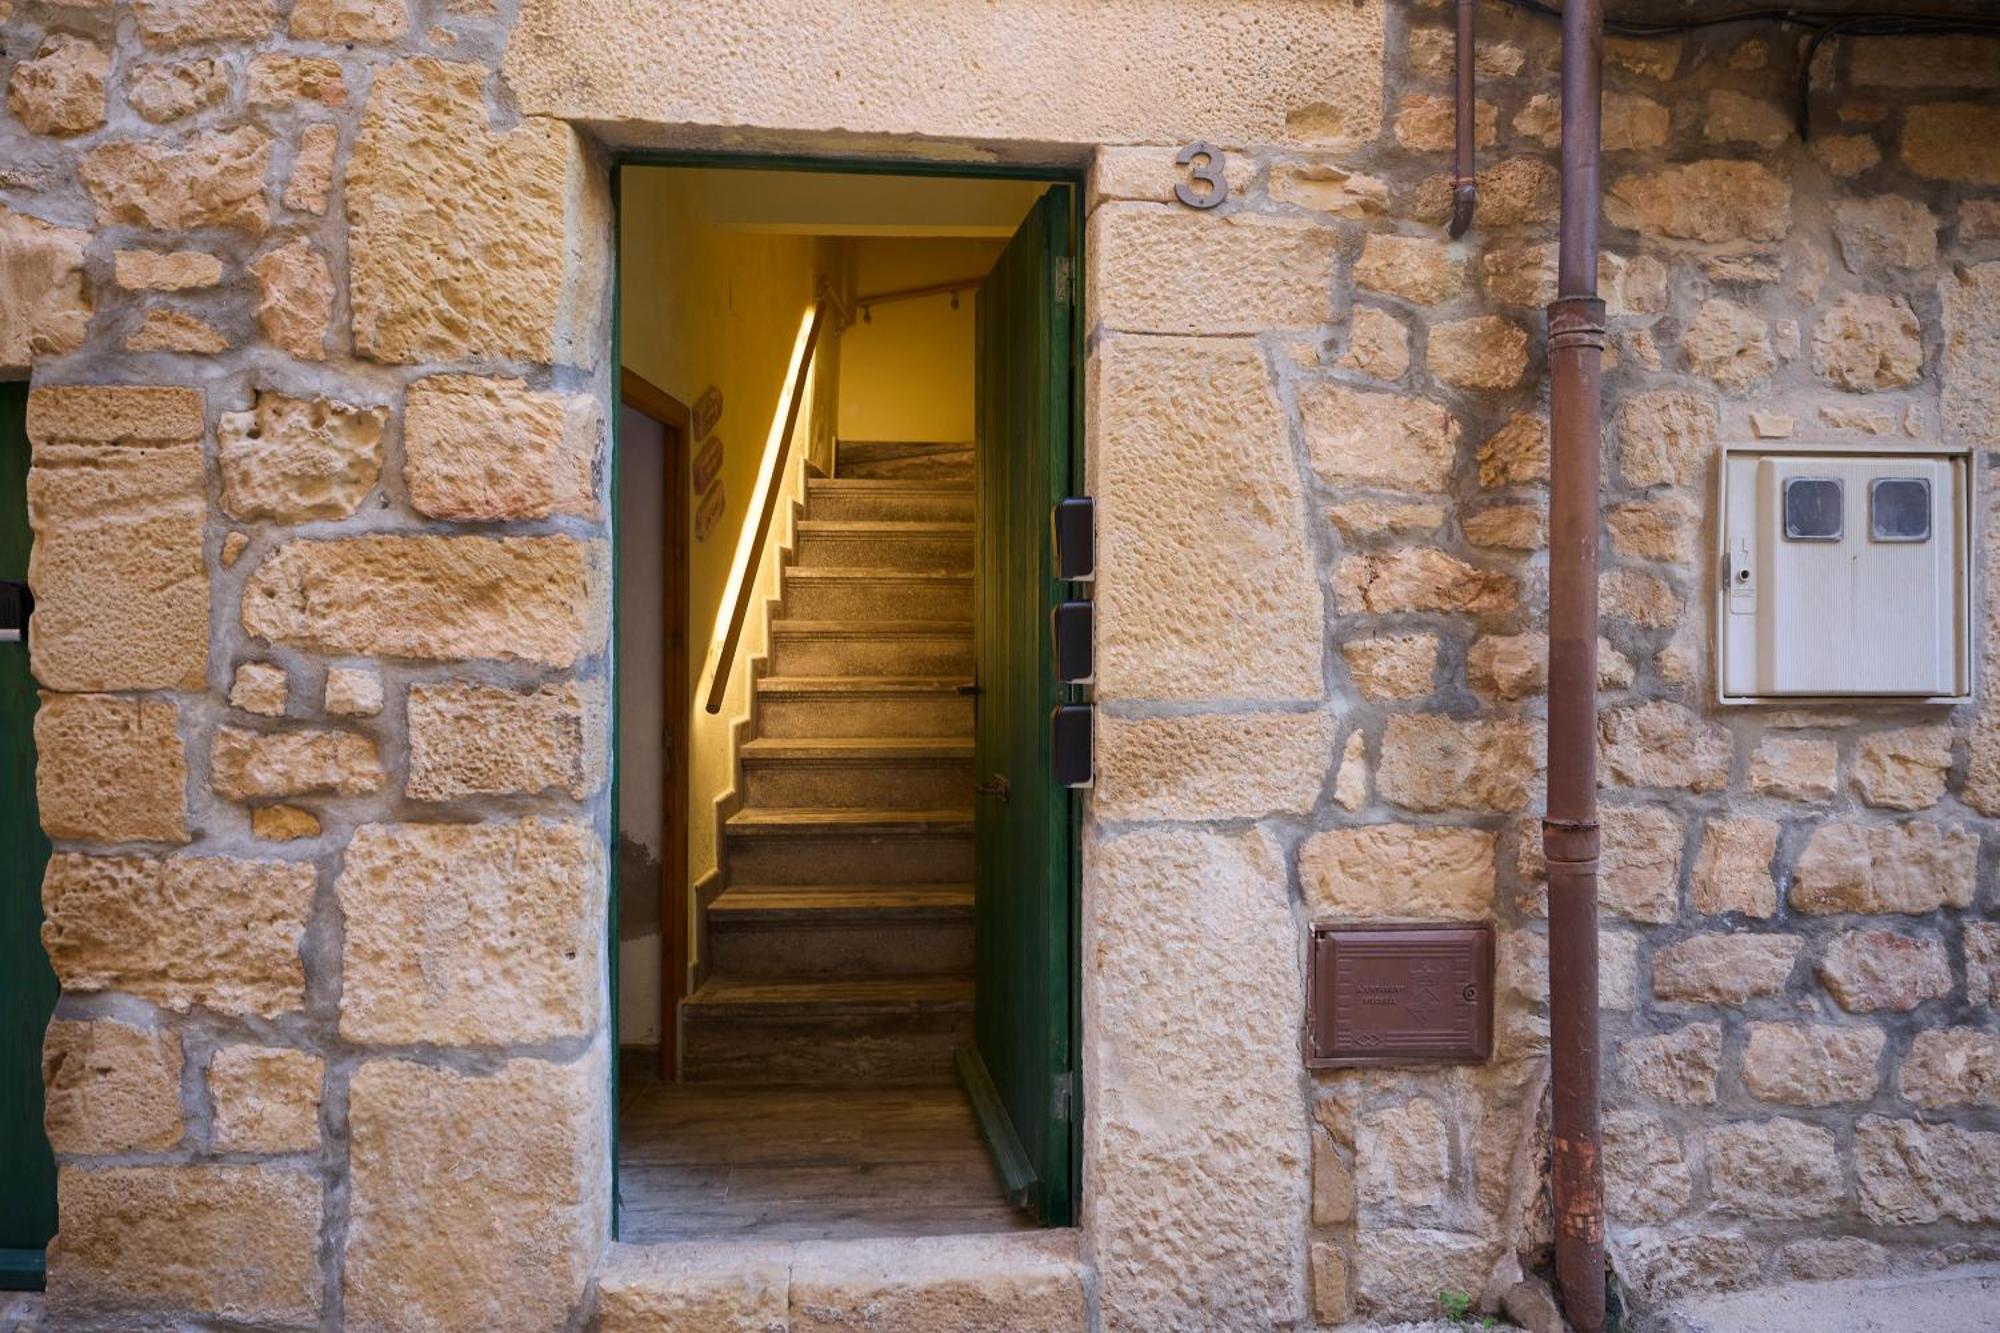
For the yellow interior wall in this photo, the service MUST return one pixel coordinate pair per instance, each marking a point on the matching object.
(906, 373)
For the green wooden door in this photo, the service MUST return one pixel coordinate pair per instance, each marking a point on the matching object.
(1020, 1069)
(27, 986)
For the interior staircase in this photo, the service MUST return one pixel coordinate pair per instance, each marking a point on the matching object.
(840, 945)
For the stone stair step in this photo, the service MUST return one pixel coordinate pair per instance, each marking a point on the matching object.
(900, 1029)
(929, 547)
(914, 460)
(889, 500)
(794, 846)
(871, 648)
(863, 929)
(797, 706)
(856, 772)
(865, 594)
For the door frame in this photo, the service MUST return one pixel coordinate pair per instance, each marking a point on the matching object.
(1069, 173)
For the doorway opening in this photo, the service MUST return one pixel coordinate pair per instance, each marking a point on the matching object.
(846, 918)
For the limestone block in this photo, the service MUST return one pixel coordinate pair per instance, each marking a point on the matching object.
(1522, 275)
(1811, 1064)
(166, 270)
(212, 931)
(266, 1099)
(1846, 155)
(1399, 870)
(1174, 487)
(1661, 1266)
(111, 1087)
(1398, 1271)
(111, 769)
(1332, 1182)
(1508, 527)
(1358, 520)
(353, 692)
(1420, 269)
(283, 823)
(1724, 968)
(966, 1283)
(168, 90)
(1729, 344)
(1168, 269)
(1434, 51)
(1912, 868)
(1774, 1168)
(1958, 61)
(1666, 529)
(312, 169)
(1661, 744)
(1951, 1067)
(1885, 230)
(1331, 1301)
(1796, 768)
(1517, 454)
(1970, 294)
(470, 934)
(279, 79)
(1641, 868)
(477, 1200)
(723, 1285)
(1869, 971)
(1982, 963)
(1912, 1173)
(1378, 439)
(1210, 766)
(1403, 1155)
(1665, 437)
(1483, 352)
(350, 20)
(253, 765)
(292, 460)
(215, 178)
(1617, 970)
(1735, 118)
(1350, 781)
(1149, 174)
(1712, 201)
(486, 448)
(1978, 220)
(239, 1243)
(1677, 1067)
(1957, 141)
(1867, 342)
(1420, 578)
(1904, 769)
(1435, 763)
(1392, 666)
(163, 330)
(171, 23)
(439, 203)
(1647, 1175)
(1517, 192)
(259, 687)
(44, 294)
(535, 599)
(1732, 872)
(1827, 1259)
(1196, 1133)
(117, 500)
(1378, 344)
(1326, 188)
(294, 298)
(60, 89)
(1428, 124)
(473, 740)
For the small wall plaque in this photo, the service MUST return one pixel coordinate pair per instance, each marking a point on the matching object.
(708, 511)
(1399, 995)
(707, 411)
(707, 463)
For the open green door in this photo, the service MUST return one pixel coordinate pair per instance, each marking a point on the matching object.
(27, 986)
(1020, 1069)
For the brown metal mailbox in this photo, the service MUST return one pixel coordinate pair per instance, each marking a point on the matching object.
(1398, 995)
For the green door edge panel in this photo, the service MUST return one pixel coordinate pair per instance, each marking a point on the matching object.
(27, 983)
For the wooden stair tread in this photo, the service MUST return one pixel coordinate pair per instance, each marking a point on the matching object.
(858, 747)
(830, 995)
(762, 902)
(808, 821)
(862, 685)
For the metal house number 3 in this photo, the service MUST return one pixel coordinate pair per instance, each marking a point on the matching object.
(1209, 171)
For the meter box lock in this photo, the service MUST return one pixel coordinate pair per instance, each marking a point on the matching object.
(1843, 574)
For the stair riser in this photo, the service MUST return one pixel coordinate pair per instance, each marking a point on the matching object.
(917, 507)
(789, 718)
(807, 655)
(843, 1048)
(881, 784)
(817, 858)
(918, 552)
(871, 600)
(921, 467)
(883, 948)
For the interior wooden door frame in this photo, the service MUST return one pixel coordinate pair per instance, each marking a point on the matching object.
(642, 395)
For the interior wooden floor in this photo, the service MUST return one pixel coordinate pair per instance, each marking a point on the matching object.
(718, 1161)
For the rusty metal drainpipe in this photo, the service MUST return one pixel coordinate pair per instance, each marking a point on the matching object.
(1569, 833)
(1464, 184)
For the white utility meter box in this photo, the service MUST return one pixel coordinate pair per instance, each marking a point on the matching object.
(1844, 573)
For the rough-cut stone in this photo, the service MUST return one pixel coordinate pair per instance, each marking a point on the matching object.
(110, 769)
(1524, 275)
(164, 330)
(266, 1099)
(1910, 61)
(110, 1087)
(1713, 201)
(1796, 768)
(469, 934)
(1732, 872)
(1508, 527)
(1958, 141)
(1734, 118)
(968, 1283)
(292, 460)
(1420, 269)
(117, 501)
(1846, 155)
(1320, 186)
(443, 1162)
(1904, 769)
(1378, 344)
(253, 765)
(1661, 1266)
(1404, 1157)
(1211, 766)
(60, 89)
(1911, 1173)
(1912, 868)
(1392, 666)
(1641, 863)
(1774, 1168)
(1830, 1258)
(1400, 1271)
(294, 298)
(1868, 971)
(1439, 763)
(1420, 579)
(1729, 344)
(1168, 269)
(1332, 1182)
(1427, 124)
(1483, 352)
(1811, 1064)
(353, 692)
(1724, 968)
(723, 1285)
(211, 931)
(279, 79)
(1665, 437)
(1885, 230)
(1517, 454)
(44, 294)
(214, 179)
(1150, 174)
(1398, 870)
(460, 239)
(1666, 529)
(1951, 1067)
(1982, 963)
(1434, 51)
(535, 599)
(166, 270)
(1970, 294)
(261, 688)
(1663, 744)
(1868, 342)
(168, 90)
(1331, 1301)
(484, 448)
(239, 1243)
(1617, 970)
(1978, 220)
(1170, 485)
(1638, 596)
(283, 823)
(350, 20)
(473, 740)
(1677, 1067)
(171, 23)
(1518, 192)
(312, 169)
(1647, 1175)
(1378, 439)
(1359, 520)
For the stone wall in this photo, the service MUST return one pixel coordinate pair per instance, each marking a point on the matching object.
(313, 293)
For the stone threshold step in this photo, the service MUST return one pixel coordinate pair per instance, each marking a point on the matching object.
(848, 687)
(899, 486)
(871, 629)
(820, 997)
(767, 749)
(871, 527)
(748, 904)
(779, 823)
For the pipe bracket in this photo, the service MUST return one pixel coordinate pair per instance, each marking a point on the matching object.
(1577, 321)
